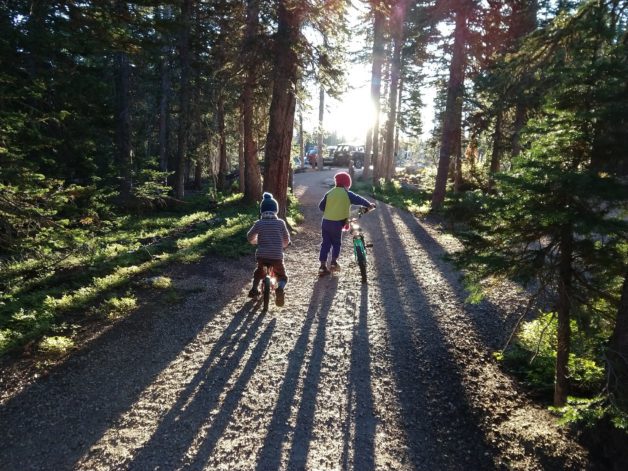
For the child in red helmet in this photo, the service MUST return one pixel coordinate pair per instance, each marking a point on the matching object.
(335, 206)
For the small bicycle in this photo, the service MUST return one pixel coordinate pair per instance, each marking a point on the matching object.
(269, 283)
(359, 246)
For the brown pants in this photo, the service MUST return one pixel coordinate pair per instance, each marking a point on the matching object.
(278, 267)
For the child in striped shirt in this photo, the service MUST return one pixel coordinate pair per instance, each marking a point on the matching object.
(271, 236)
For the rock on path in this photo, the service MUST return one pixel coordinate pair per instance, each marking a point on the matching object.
(396, 374)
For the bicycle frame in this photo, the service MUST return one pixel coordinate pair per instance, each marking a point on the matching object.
(359, 246)
(268, 284)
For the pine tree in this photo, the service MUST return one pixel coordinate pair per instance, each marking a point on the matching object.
(555, 222)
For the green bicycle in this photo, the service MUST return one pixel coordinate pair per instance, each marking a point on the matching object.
(359, 245)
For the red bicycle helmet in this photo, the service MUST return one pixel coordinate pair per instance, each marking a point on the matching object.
(343, 179)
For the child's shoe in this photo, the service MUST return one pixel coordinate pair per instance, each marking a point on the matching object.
(279, 297)
(322, 271)
(335, 266)
(254, 293)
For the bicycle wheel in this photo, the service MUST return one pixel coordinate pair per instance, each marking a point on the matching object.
(361, 256)
(266, 292)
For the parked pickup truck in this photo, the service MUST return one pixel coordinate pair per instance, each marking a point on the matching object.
(347, 152)
(358, 158)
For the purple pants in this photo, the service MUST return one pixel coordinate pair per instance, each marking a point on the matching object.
(332, 238)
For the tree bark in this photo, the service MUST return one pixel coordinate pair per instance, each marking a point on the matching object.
(397, 23)
(496, 153)
(241, 157)
(123, 126)
(524, 15)
(252, 177)
(164, 105)
(279, 139)
(458, 169)
(397, 127)
(184, 113)
(301, 143)
(376, 88)
(223, 165)
(453, 108)
(321, 114)
(561, 386)
(198, 174)
(618, 351)
(164, 121)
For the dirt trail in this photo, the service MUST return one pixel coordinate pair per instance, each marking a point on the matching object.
(396, 374)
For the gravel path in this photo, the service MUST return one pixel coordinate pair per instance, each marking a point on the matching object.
(396, 374)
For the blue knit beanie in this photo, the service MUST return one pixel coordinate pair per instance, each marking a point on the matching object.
(268, 204)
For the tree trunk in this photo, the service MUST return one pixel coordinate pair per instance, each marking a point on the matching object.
(184, 113)
(394, 97)
(241, 157)
(524, 15)
(561, 386)
(164, 121)
(376, 88)
(368, 149)
(379, 170)
(279, 139)
(123, 126)
(321, 114)
(223, 165)
(458, 170)
(388, 160)
(496, 154)
(471, 152)
(397, 127)
(301, 143)
(520, 119)
(252, 177)
(198, 174)
(453, 108)
(164, 106)
(618, 352)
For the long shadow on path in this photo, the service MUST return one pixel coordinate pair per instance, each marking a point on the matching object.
(55, 421)
(176, 432)
(493, 328)
(360, 409)
(269, 457)
(440, 429)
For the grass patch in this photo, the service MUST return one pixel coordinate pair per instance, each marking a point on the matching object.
(395, 193)
(116, 308)
(159, 282)
(55, 345)
(38, 294)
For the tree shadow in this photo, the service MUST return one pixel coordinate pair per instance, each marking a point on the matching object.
(489, 322)
(269, 456)
(192, 410)
(55, 421)
(360, 407)
(441, 430)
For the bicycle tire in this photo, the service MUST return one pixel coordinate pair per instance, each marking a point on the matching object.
(266, 292)
(361, 256)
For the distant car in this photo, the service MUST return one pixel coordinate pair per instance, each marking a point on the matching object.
(328, 155)
(358, 158)
(347, 152)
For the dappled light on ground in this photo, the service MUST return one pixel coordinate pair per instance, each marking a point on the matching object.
(394, 374)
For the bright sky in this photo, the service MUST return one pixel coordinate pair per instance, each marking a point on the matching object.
(352, 114)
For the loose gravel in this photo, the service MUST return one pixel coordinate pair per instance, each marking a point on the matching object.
(395, 374)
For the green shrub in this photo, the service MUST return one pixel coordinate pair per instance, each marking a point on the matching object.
(533, 356)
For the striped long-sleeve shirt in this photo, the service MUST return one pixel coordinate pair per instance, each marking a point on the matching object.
(271, 236)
